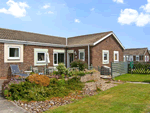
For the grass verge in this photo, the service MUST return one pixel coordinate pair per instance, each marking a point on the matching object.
(125, 98)
(134, 77)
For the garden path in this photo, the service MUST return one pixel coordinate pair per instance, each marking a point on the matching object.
(7, 106)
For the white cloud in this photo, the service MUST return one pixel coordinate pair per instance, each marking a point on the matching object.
(17, 9)
(50, 12)
(118, 1)
(92, 9)
(142, 20)
(146, 7)
(46, 6)
(129, 16)
(77, 20)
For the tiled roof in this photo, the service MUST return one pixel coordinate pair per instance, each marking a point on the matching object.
(135, 51)
(86, 39)
(33, 37)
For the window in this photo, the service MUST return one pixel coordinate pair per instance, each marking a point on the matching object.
(137, 58)
(127, 58)
(105, 57)
(59, 58)
(14, 53)
(82, 54)
(41, 57)
(116, 55)
(141, 57)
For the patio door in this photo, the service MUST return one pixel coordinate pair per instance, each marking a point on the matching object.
(70, 57)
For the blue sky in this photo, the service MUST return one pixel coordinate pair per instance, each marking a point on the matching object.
(129, 19)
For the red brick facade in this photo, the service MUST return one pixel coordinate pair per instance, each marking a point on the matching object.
(95, 55)
(110, 44)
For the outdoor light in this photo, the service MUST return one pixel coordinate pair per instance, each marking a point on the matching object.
(75, 53)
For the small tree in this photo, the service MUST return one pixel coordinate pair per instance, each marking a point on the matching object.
(79, 63)
(61, 68)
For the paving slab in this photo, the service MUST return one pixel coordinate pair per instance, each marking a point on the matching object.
(8, 106)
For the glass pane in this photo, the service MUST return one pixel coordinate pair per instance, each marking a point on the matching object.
(14, 52)
(71, 57)
(41, 57)
(81, 56)
(55, 58)
(115, 56)
(105, 56)
(60, 58)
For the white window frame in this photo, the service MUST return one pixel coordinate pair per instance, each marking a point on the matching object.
(116, 52)
(147, 58)
(44, 58)
(57, 58)
(9, 52)
(127, 58)
(82, 51)
(124, 58)
(137, 56)
(105, 61)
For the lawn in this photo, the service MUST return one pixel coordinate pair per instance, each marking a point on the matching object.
(125, 98)
(134, 77)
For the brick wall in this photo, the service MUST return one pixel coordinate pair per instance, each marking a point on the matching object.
(77, 51)
(28, 59)
(110, 44)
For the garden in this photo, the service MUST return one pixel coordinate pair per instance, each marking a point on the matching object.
(38, 93)
(124, 98)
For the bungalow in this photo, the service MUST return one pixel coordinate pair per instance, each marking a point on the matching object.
(136, 54)
(29, 49)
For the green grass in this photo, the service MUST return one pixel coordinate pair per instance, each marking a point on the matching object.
(134, 77)
(125, 98)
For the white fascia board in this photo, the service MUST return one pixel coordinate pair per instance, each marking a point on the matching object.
(30, 43)
(146, 51)
(107, 37)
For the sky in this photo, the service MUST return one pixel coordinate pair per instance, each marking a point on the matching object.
(128, 19)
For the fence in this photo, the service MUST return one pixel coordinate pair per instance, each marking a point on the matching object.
(119, 68)
(139, 68)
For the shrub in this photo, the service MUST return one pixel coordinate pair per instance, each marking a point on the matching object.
(55, 73)
(42, 80)
(75, 84)
(81, 73)
(79, 63)
(61, 68)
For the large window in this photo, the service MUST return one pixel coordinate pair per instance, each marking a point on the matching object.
(41, 57)
(82, 54)
(105, 57)
(59, 58)
(14, 53)
(116, 55)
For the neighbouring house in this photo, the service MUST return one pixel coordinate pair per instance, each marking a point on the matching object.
(30, 49)
(136, 54)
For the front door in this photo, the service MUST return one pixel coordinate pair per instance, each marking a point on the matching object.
(71, 58)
